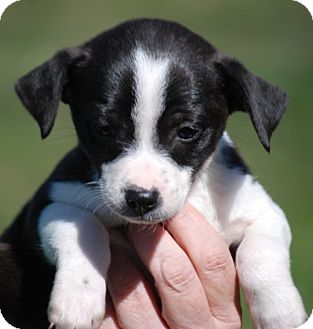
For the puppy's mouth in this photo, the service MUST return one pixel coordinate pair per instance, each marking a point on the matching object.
(123, 214)
(153, 217)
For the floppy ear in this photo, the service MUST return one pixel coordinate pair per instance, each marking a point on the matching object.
(246, 92)
(42, 89)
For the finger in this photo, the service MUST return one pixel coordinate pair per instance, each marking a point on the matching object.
(133, 300)
(212, 260)
(184, 303)
(110, 321)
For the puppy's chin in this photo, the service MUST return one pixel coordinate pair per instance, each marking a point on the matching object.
(150, 221)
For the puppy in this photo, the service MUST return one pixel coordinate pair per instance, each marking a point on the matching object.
(149, 100)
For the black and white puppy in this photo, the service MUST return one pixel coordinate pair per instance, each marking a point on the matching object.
(150, 100)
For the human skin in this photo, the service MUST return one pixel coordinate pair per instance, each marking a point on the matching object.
(194, 277)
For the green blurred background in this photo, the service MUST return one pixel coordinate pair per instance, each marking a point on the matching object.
(273, 38)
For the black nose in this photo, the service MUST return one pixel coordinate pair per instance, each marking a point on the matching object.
(141, 201)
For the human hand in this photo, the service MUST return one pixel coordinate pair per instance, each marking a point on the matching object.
(193, 273)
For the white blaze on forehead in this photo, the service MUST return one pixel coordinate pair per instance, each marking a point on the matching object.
(150, 77)
(143, 165)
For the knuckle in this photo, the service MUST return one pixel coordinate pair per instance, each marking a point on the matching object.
(216, 262)
(177, 274)
(236, 324)
(228, 320)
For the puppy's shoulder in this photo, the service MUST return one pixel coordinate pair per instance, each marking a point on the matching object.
(74, 169)
(75, 166)
(239, 195)
(229, 176)
(228, 160)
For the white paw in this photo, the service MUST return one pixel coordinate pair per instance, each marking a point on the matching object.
(279, 311)
(77, 301)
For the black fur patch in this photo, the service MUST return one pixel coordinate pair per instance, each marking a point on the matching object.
(232, 159)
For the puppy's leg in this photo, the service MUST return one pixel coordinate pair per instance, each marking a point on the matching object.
(78, 244)
(262, 262)
(11, 275)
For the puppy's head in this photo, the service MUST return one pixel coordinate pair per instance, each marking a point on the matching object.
(149, 100)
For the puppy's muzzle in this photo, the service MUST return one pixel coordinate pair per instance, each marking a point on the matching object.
(140, 201)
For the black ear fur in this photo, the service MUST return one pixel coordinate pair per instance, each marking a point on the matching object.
(246, 92)
(41, 90)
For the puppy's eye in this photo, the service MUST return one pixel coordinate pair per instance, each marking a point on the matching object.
(188, 134)
(104, 131)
